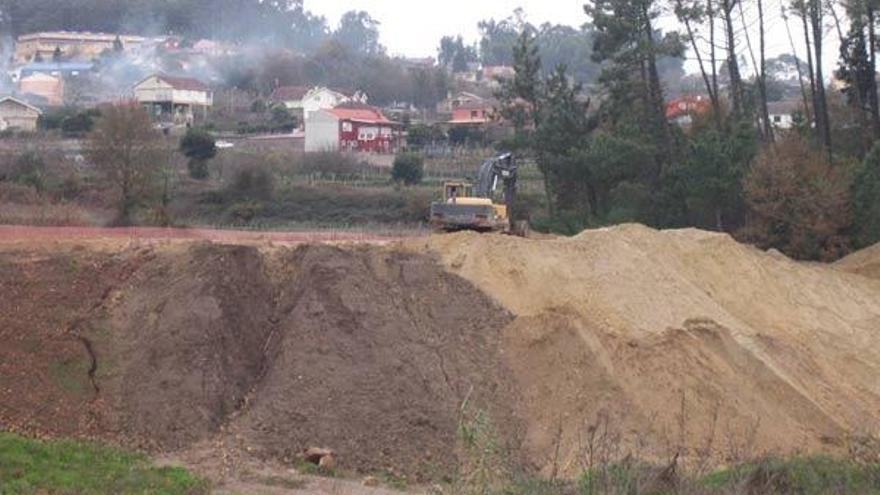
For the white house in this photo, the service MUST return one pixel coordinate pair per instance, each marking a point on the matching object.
(174, 99)
(783, 113)
(18, 115)
(321, 98)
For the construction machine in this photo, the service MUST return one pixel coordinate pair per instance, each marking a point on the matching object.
(467, 206)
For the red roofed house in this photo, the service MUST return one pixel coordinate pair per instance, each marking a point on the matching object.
(682, 110)
(351, 127)
(173, 99)
(478, 112)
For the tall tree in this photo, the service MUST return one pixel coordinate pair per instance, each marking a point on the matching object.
(359, 32)
(693, 13)
(736, 86)
(128, 152)
(628, 45)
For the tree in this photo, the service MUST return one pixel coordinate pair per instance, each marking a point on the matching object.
(454, 55)
(408, 168)
(711, 177)
(560, 145)
(866, 200)
(497, 39)
(520, 97)
(128, 153)
(799, 203)
(359, 33)
(199, 147)
(629, 46)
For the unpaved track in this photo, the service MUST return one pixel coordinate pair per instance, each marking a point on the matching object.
(16, 233)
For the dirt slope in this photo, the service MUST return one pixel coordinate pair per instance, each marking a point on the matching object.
(865, 262)
(363, 350)
(678, 339)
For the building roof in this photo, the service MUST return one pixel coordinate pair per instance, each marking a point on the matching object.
(57, 66)
(476, 105)
(784, 107)
(79, 35)
(688, 105)
(180, 83)
(360, 112)
(19, 102)
(289, 93)
(40, 76)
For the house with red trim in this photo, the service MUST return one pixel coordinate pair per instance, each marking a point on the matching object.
(683, 110)
(478, 112)
(352, 126)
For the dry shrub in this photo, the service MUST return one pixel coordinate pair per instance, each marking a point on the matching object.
(799, 203)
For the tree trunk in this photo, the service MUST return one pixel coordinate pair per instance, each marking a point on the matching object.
(810, 70)
(711, 13)
(713, 96)
(822, 107)
(762, 74)
(732, 63)
(655, 94)
(872, 57)
(797, 64)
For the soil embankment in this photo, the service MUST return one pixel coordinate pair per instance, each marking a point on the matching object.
(617, 341)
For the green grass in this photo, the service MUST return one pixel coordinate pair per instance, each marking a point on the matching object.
(802, 475)
(68, 467)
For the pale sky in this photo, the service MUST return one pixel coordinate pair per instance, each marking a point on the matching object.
(414, 27)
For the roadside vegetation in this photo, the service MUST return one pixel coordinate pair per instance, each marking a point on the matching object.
(67, 466)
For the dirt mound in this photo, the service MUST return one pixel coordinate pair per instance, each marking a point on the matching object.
(865, 262)
(376, 353)
(366, 351)
(677, 341)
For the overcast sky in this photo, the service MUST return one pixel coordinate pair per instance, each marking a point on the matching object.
(414, 27)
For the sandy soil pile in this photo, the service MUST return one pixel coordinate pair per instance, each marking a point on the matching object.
(630, 339)
(865, 262)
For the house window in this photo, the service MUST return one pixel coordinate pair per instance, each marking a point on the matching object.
(777, 118)
(474, 114)
(346, 127)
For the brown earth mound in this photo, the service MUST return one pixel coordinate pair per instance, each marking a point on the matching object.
(362, 350)
(865, 262)
(654, 343)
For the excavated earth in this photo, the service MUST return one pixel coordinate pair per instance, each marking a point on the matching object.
(623, 341)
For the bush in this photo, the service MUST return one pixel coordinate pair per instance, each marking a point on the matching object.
(252, 183)
(866, 200)
(330, 164)
(408, 168)
(30, 170)
(800, 203)
(199, 146)
(198, 169)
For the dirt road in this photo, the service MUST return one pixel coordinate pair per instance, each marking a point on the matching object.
(16, 233)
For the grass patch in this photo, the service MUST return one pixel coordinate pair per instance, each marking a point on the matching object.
(67, 466)
(804, 476)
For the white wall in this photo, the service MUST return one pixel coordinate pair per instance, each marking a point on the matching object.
(322, 132)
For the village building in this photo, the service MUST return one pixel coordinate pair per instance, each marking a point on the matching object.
(174, 100)
(351, 126)
(58, 69)
(37, 47)
(681, 111)
(49, 89)
(291, 97)
(17, 115)
(453, 101)
(475, 113)
(784, 114)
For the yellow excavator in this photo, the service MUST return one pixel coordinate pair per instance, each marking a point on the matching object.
(467, 206)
